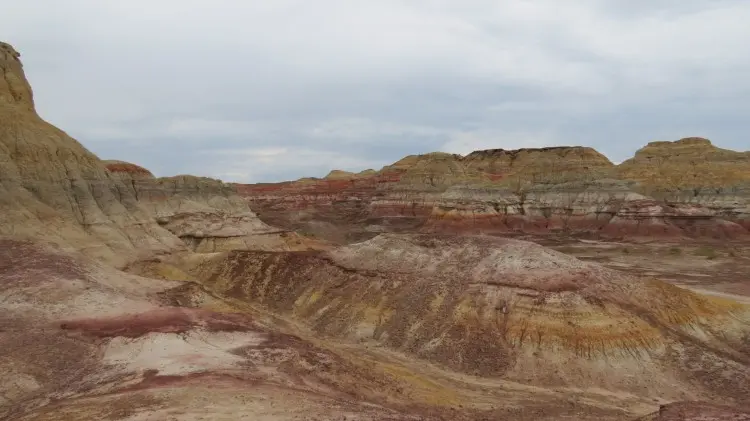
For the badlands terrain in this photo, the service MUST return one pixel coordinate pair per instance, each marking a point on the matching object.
(533, 284)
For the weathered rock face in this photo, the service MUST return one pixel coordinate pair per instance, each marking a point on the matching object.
(205, 213)
(692, 171)
(127, 171)
(83, 341)
(501, 307)
(53, 188)
(559, 190)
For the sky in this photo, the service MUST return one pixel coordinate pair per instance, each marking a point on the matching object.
(258, 91)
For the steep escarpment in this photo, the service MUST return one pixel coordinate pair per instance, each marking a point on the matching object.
(53, 188)
(501, 307)
(556, 190)
(205, 213)
(692, 173)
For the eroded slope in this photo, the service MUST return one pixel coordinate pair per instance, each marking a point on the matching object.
(53, 188)
(501, 307)
(83, 341)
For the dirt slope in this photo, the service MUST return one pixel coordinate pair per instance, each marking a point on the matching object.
(501, 307)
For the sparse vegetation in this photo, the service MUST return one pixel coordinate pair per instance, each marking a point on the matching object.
(675, 251)
(307, 234)
(708, 252)
(567, 249)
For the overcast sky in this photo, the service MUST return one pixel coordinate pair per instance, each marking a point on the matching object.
(261, 90)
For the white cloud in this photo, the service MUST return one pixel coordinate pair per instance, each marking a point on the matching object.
(255, 165)
(353, 83)
(354, 129)
(200, 127)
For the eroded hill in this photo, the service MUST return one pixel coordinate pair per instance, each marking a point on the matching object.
(502, 308)
(53, 188)
(685, 189)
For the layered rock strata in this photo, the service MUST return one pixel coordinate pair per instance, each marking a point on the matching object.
(558, 190)
(501, 307)
(692, 173)
(53, 188)
(83, 341)
(205, 213)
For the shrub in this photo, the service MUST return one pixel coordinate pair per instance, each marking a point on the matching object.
(707, 252)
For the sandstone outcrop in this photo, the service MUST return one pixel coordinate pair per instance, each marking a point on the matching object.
(340, 175)
(660, 193)
(205, 213)
(82, 340)
(53, 188)
(694, 173)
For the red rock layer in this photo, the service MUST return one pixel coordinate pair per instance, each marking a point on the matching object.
(562, 190)
(134, 171)
(364, 206)
(161, 320)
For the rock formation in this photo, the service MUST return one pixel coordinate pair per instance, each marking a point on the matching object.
(692, 173)
(206, 214)
(53, 188)
(503, 308)
(679, 190)
(340, 175)
(83, 341)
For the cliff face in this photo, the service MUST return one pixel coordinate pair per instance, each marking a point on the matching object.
(206, 214)
(695, 190)
(693, 173)
(53, 188)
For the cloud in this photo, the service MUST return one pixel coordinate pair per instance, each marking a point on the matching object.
(263, 165)
(359, 129)
(208, 87)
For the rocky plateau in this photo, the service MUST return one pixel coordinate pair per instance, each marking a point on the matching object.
(396, 294)
(681, 190)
